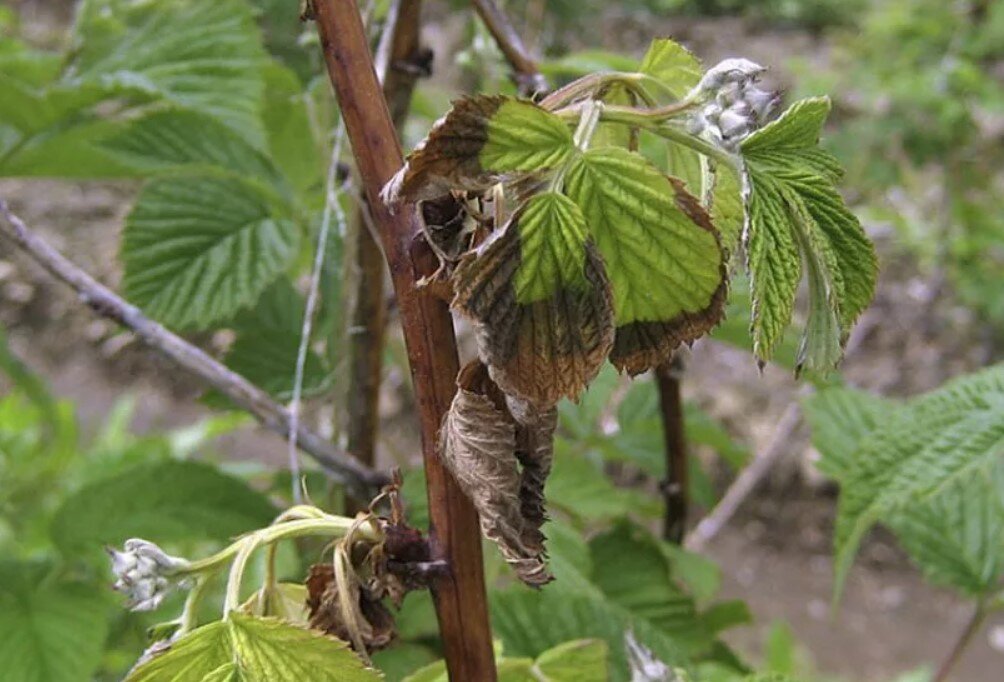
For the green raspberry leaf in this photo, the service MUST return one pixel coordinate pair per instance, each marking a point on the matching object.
(197, 249)
(252, 649)
(673, 65)
(481, 141)
(662, 254)
(795, 214)
(541, 300)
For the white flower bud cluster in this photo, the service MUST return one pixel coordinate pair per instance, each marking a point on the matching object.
(145, 573)
(736, 106)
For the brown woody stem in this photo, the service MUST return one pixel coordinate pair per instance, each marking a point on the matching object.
(106, 303)
(675, 488)
(525, 70)
(962, 643)
(459, 595)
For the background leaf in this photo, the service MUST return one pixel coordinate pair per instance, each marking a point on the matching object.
(199, 248)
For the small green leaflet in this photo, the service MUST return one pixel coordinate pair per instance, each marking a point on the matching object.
(481, 141)
(796, 215)
(945, 437)
(661, 252)
(540, 298)
(251, 649)
(199, 248)
(674, 66)
(841, 418)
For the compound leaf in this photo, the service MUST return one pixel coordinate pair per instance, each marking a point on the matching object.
(541, 302)
(482, 140)
(662, 254)
(169, 500)
(199, 248)
(795, 214)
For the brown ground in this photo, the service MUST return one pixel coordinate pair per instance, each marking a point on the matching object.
(775, 554)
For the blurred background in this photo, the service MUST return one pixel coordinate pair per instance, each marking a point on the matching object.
(918, 122)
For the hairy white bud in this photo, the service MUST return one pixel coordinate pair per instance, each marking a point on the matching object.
(145, 573)
(734, 123)
(761, 102)
(735, 70)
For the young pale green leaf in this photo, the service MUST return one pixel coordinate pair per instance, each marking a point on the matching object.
(945, 437)
(267, 344)
(957, 536)
(662, 254)
(481, 141)
(168, 500)
(167, 139)
(795, 214)
(204, 55)
(727, 212)
(49, 631)
(531, 623)
(840, 419)
(674, 66)
(253, 649)
(197, 249)
(541, 302)
(583, 660)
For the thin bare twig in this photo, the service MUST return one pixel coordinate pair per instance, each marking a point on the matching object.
(106, 303)
(962, 643)
(526, 73)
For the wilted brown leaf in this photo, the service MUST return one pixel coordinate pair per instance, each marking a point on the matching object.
(478, 445)
(535, 452)
(375, 623)
(544, 350)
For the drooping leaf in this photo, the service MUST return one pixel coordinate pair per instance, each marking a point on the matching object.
(482, 140)
(841, 418)
(164, 140)
(478, 445)
(540, 301)
(204, 55)
(267, 344)
(199, 248)
(531, 623)
(947, 436)
(795, 214)
(661, 252)
(49, 631)
(535, 453)
(253, 649)
(168, 500)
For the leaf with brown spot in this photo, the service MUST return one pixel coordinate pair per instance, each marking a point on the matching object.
(662, 254)
(481, 141)
(478, 445)
(541, 302)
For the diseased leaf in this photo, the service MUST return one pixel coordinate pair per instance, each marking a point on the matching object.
(199, 248)
(478, 445)
(253, 649)
(662, 254)
(947, 436)
(49, 631)
(796, 214)
(540, 302)
(482, 140)
(169, 500)
(535, 452)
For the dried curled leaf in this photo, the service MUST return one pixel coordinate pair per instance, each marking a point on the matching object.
(481, 141)
(541, 302)
(371, 623)
(478, 445)
(535, 452)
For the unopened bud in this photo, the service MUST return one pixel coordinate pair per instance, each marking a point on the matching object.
(734, 123)
(736, 70)
(761, 101)
(145, 573)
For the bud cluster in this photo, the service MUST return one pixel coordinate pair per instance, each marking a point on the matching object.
(736, 106)
(145, 573)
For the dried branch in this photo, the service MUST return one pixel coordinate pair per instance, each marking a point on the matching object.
(460, 597)
(676, 486)
(526, 73)
(106, 303)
